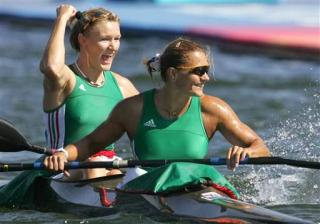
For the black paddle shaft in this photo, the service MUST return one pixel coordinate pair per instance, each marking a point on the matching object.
(279, 160)
(12, 140)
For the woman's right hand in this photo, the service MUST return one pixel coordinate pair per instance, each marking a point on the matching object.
(67, 10)
(56, 162)
(235, 155)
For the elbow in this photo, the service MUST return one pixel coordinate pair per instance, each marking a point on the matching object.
(264, 149)
(43, 67)
(259, 149)
(49, 69)
(267, 152)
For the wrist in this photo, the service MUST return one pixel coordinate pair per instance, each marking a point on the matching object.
(65, 152)
(62, 18)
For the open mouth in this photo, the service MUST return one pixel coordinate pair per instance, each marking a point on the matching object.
(107, 58)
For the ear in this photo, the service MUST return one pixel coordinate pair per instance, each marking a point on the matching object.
(171, 74)
(81, 39)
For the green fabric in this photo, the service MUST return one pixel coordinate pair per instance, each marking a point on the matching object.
(88, 106)
(161, 138)
(177, 176)
(22, 191)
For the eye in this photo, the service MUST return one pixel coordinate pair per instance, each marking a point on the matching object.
(200, 71)
(106, 39)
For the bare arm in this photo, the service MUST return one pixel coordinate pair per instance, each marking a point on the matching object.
(90, 144)
(126, 87)
(123, 118)
(58, 76)
(218, 115)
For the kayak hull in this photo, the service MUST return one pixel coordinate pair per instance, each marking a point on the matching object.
(207, 204)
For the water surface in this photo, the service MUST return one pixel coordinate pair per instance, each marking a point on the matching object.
(280, 99)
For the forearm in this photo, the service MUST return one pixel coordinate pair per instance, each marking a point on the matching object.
(82, 149)
(79, 151)
(108, 132)
(53, 58)
(258, 149)
(93, 143)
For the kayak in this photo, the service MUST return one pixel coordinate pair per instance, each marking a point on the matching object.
(37, 189)
(181, 188)
(204, 204)
(184, 188)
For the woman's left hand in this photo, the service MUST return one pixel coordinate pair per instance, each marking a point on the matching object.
(235, 155)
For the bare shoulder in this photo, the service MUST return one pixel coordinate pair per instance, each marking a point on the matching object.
(213, 103)
(128, 113)
(214, 106)
(121, 79)
(133, 101)
(217, 115)
(130, 107)
(125, 85)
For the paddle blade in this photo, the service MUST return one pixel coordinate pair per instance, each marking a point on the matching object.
(11, 140)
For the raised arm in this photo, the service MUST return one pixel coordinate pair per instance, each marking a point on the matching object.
(219, 116)
(58, 77)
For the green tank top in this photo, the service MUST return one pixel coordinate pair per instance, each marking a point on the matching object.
(83, 111)
(161, 138)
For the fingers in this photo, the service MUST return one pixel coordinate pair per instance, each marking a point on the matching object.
(66, 9)
(66, 173)
(229, 157)
(235, 155)
(55, 162)
(243, 155)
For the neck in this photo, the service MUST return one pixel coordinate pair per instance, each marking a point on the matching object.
(171, 103)
(95, 78)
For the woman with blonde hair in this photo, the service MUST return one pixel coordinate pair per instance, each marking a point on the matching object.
(79, 97)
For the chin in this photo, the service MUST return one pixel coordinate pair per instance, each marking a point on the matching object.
(197, 92)
(106, 67)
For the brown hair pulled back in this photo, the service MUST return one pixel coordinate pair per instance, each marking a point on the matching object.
(175, 55)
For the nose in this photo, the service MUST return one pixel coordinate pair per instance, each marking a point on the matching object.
(111, 46)
(205, 77)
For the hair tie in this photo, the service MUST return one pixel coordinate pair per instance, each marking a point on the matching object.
(78, 17)
(154, 63)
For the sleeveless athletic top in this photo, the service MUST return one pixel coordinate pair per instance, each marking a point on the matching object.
(82, 112)
(161, 138)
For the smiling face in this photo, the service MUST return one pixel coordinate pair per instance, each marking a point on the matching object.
(191, 76)
(184, 66)
(101, 44)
